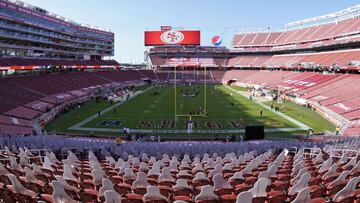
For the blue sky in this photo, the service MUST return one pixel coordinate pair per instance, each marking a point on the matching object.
(129, 18)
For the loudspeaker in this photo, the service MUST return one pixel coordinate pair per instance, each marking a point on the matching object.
(254, 132)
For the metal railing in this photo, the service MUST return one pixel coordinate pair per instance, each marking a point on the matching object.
(38, 154)
(339, 153)
(293, 150)
(312, 152)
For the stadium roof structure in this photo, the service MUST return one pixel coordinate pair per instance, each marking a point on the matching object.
(45, 12)
(349, 13)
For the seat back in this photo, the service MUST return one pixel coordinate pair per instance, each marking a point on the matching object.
(183, 173)
(16, 184)
(298, 176)
(348, 191)
(106, 185)
(63, 182)
(59, 194)
(200, 176)
(210, 163)
(129, 174)
(181, 184)
(140, 181)
(143, 166)
(27, 152)
(216, 170)
(297, 167)
(263, 174)
(237, 176)
(259, 188)
(29, 174)
(111, 197)
(272, 171)
(302, 183)
(351, 163)
(303, 196)
(331, 171)
(197, 168)
(68, 175)
(244, 197)
(14, 164)
(119, 163)
(206, 193)
(326, 165)
(227, 167)
(339, 180)
(72, 156)
(153, 194)
(220, 182)
(355, 169)
(3, 170)
(47, 164)
(319, 158)
(23, 157)
(155, 170)
(98, 175)
(111, 160)
(53, 157)
(166, 175)
(37, 170)
(124, 166)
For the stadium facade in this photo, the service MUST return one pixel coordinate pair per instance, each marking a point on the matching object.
(29, 32)
(308, 43)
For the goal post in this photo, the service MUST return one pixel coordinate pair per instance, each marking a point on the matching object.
(178, 113)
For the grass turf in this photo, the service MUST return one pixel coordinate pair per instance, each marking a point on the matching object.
(304, 115)
(223, 106)
(225, 109)
(68, 119)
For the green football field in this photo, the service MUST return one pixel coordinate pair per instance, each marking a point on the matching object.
(153, 110)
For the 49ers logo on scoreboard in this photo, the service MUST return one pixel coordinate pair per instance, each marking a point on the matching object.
(172, 37)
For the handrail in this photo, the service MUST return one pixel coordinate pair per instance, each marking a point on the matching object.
(38, 156)
(334, 153)
(312, 151)
(293, 150)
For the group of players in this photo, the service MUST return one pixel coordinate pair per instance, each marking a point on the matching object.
(190, 91)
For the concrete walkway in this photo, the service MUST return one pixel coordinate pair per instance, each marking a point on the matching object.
(247, 95)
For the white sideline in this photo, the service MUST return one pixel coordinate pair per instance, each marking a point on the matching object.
(77, 126)
(296, 122)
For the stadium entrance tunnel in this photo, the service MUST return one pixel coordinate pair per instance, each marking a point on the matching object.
(230, 82)
(148, 81)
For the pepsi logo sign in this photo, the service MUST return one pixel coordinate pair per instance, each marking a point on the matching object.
(172, 37)
(216, 40)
